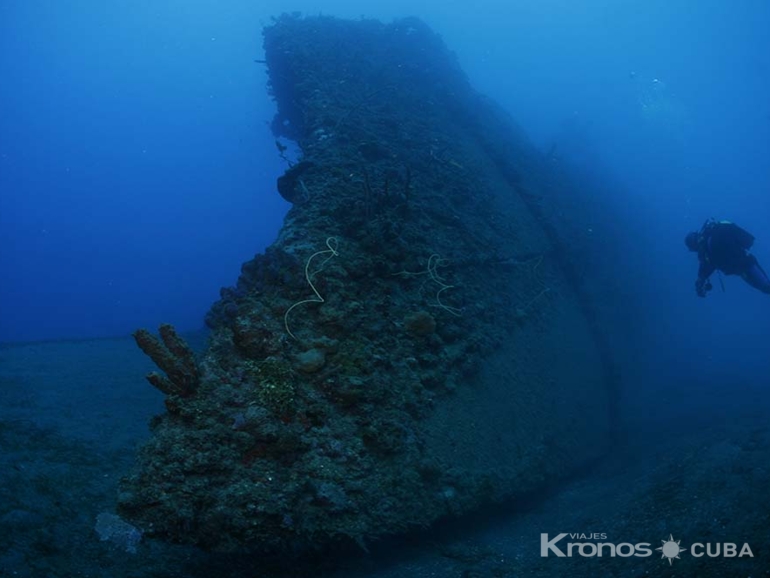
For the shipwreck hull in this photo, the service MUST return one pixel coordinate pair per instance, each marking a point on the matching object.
(414, 344)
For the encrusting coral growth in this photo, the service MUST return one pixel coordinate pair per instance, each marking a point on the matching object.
(350, 389)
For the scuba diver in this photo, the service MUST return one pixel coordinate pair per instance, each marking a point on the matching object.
(724, 246)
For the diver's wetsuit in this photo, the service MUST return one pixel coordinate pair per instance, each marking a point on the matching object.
(724, 246)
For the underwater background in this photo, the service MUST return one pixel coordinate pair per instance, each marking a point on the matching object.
(138, 172)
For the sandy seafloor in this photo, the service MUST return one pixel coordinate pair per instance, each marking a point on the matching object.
(72, 414)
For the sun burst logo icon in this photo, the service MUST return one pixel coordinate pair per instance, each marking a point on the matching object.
(670, 549)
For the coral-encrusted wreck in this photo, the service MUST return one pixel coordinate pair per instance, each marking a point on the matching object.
(415, 343)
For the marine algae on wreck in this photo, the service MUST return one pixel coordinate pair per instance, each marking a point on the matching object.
(411, 346)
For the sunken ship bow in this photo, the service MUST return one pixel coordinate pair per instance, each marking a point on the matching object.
(412, 346)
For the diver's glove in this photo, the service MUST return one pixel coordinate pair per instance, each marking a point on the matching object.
(702, 286)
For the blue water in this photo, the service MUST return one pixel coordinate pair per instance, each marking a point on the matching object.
(137, 168)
